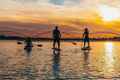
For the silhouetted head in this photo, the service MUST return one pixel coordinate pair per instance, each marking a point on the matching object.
(86, 29)
(56, 27)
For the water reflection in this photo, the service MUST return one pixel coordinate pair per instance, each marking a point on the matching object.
(56, 63)
(86, 56)
(102, 62)
(109, 58)
(28, 72)
(86, 63)
(28, 50)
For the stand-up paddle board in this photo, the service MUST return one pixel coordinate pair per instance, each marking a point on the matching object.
(86, 48)
(56, 49)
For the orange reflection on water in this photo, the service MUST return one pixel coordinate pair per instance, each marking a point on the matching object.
(102, 62)
(109, 58)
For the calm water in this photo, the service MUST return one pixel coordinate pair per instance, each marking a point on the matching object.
(42, 63)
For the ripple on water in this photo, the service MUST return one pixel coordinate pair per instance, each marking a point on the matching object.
(100, 63)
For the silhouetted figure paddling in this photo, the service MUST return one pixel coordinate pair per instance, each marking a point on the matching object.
(19, 42)
(28, 43)
(56, 37)
(86, 38)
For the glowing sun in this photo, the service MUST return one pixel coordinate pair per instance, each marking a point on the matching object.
(108, 13)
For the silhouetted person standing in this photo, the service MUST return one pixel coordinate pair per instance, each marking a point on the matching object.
(56, 37)
(86, 38)
(28, 46)
(28, 42)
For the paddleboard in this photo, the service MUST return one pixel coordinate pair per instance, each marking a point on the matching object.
(86, 48)
(56, 49)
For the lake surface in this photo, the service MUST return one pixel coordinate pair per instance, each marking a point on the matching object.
(102, 62)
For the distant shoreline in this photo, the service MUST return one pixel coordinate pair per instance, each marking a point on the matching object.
(3, 37)
(63, 39)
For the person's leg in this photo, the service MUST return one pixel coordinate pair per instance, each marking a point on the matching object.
(84, 43)
(54, 42)
(59, 44)
(88, 42)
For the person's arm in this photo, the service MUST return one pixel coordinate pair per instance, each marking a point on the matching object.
(88, 33)
(59, 34)
(83, 34)
(52, 34)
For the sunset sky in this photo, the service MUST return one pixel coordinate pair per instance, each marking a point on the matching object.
(38, 17)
